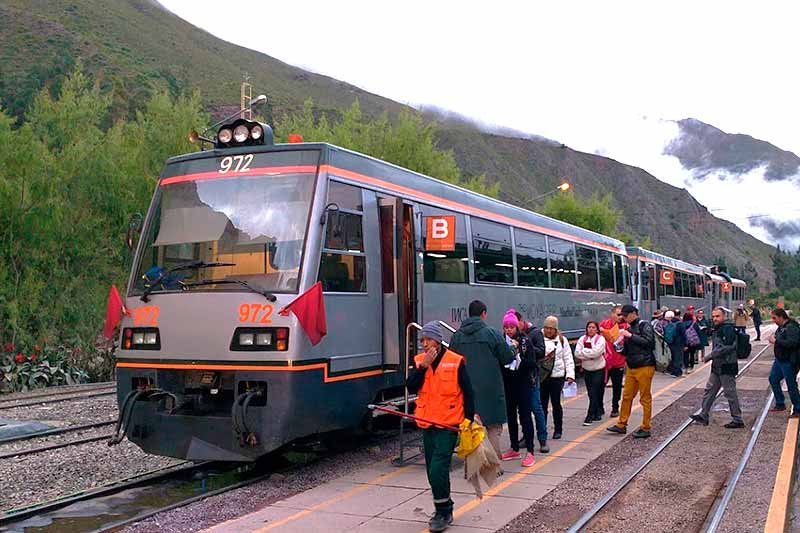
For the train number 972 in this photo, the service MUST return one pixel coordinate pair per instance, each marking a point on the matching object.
(256, 313)
(236, 163)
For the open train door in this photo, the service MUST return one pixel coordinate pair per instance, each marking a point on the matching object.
(397, 275)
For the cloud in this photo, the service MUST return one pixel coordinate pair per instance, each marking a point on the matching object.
(781, 231)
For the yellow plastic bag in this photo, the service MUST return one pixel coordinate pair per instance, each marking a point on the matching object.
(471, 434)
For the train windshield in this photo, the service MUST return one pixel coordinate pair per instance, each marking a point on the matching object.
(253, 227)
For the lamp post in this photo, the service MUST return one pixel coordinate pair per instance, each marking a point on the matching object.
(564, 187)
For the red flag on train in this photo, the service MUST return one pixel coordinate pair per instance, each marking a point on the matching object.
(115, 308)
(309, 308)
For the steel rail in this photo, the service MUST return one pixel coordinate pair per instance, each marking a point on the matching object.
(722, 503)
(21, 513)
(56, 431)
(88, 387)
(55, 400)
(600, 504)
(51, 447)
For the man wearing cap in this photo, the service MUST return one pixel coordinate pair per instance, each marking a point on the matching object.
(740, 319)
(639, 355)
(444, 396)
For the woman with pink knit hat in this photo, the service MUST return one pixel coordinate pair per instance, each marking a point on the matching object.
(517, 377)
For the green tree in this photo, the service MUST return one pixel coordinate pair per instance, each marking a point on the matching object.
(409, 141)
(595, 214)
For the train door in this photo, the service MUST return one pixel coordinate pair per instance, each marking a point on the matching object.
(397, 275)
(649, 298)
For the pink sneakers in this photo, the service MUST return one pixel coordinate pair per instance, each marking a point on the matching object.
(529, 460)
(510, 455)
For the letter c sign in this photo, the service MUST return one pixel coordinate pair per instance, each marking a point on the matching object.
(667, 277)
(441, 234)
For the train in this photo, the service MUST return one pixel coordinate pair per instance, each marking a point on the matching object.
(209, 368)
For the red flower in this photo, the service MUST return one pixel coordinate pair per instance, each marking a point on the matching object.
(77, 351)
(9, 347)
(33, 358)
(19, 358)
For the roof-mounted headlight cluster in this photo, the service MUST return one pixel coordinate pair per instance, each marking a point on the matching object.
(243, 133)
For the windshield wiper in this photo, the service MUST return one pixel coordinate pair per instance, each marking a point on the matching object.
(193, 265)
(265, 293)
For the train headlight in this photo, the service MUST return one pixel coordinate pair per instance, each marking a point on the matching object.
(256, 132)
(225, 135)
(138, 338)
(150, 338)
(241, 133)
(141, 339)
(245, 339)
(264, 339)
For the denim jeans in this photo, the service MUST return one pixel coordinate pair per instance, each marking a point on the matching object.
(784, 370)
(538, 412)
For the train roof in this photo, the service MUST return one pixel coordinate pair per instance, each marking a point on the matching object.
(366, 170)
(671, 262)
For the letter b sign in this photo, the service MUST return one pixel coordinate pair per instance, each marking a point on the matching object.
(441, 234)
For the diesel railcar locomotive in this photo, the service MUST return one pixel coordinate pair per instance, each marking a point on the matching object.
(209, 369)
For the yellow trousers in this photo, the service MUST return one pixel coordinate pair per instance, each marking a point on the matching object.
(637, 380)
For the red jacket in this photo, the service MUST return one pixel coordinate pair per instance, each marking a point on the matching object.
(614, 359)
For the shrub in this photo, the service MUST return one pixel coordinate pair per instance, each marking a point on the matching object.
(39, 368)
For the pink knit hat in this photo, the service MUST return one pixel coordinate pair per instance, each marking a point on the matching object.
(510, 318)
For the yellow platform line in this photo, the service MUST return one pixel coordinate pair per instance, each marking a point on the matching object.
(778, 514)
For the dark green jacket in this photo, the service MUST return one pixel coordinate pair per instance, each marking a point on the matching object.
(723, 352)
(787, 342)
(704, 326)
(485, 352)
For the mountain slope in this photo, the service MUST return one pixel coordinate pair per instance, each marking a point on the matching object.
(136, 45)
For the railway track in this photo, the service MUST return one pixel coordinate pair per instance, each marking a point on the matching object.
(59, 391)
(55, 398)
(720, 503)
(57, 431)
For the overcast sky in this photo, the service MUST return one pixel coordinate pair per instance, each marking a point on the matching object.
(583, 73)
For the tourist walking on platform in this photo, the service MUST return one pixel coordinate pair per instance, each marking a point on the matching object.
(756, 315)
(615, 363)
(485, 352)
(787, 358)
(724, 368)
(692, 342)
(704, 327)
(517, 383)
(675, 337)
(559, 367)
(536, 341)
(638, 350)
(444, 396)
(741, 318)
(591, 351)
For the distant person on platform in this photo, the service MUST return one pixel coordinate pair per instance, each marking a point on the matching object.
(787, 359)
(590, 351)
(639, 351)
(704, 327)
(444, 396)
(740, 318)
(615, 362)
(536, 338)
(675, 337)
(558, 367)
(724, 367)
(755, 313)
(486, 352)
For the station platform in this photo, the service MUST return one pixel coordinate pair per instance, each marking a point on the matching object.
(387, 498)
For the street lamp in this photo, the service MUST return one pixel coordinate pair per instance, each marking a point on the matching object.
(564, 187)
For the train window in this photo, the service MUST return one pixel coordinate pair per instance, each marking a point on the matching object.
(606, 262)
(491, 246)
(445, 266)
(343, 272)
(619, 271)
(562, 264)
(587, 268)
(644, 281)
(680, 284)
(693, 285)
(345, 196)
(531, 259)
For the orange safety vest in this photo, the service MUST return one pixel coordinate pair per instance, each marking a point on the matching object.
(441, 399)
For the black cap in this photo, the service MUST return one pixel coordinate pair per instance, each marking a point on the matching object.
(628, 309)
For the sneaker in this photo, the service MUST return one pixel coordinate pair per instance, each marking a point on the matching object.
(588, 421)
(734, 424)
(440, 521)
(614, 413)
(699, 419)
(510, 455)
(529, 460)
(777, 409)
(795, 414)
(617, 429)
(543, 447)
(641, 434)
(598, 418)
(689, 371)
(557, 435)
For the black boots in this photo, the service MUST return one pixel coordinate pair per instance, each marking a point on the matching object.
(440, 521)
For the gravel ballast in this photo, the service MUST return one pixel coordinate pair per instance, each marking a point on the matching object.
(660, 498)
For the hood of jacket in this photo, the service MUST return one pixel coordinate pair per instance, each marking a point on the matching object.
(472, 325)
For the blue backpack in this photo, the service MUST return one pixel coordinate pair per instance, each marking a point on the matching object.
(669, 332)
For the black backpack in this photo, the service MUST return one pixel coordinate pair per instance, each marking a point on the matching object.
(743, 347)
